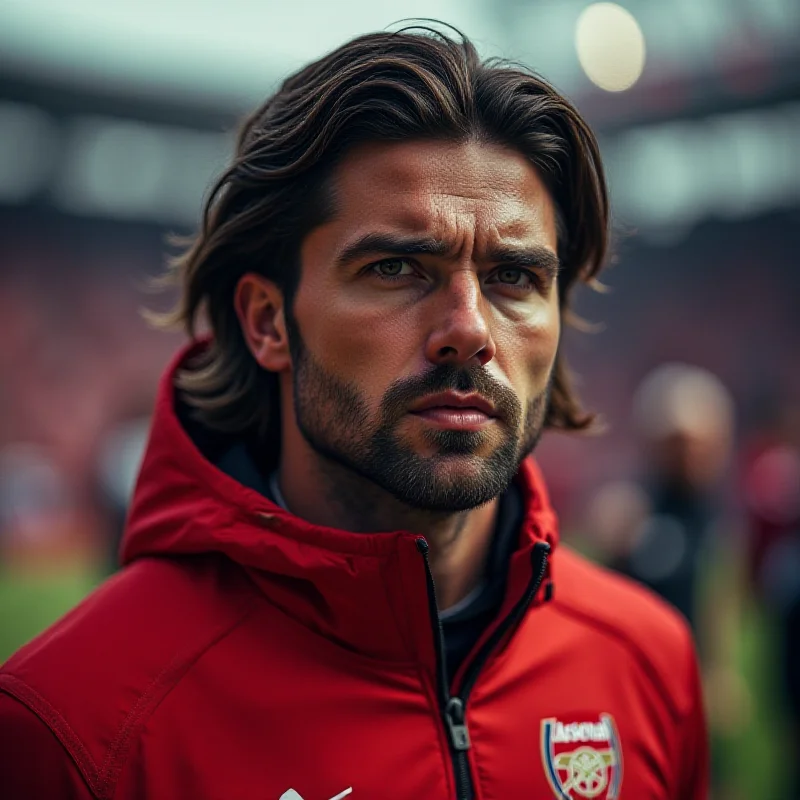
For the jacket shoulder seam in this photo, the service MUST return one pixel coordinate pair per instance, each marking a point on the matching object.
(52, 718)
(639, 653)
(102, 780)
(159, 688)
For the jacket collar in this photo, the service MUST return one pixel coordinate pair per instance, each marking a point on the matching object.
(366, 592)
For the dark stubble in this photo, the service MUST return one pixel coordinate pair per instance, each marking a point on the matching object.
(333, 417)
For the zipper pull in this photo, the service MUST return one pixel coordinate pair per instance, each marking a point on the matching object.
(456, 724)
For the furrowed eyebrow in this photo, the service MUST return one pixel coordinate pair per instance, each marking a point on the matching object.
(374, 243)
(527, 258)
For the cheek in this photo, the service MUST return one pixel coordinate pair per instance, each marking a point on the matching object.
(357, 342)
(529, 347)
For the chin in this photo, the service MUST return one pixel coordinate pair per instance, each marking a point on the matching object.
(459, 447)
(449, 497)
(458, 483)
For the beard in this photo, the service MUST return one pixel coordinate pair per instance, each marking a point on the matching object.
(333, 417)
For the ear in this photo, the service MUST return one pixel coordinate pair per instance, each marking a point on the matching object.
(259, 305)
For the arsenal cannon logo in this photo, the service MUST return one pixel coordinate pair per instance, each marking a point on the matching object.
(582, 758)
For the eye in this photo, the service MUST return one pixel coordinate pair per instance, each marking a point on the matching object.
(393, 268)
(514, 277)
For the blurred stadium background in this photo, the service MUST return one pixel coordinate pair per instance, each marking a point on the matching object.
(115, 116)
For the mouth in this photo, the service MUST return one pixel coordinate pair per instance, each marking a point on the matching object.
(456, 412)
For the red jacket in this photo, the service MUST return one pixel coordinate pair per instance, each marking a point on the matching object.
(243, 654)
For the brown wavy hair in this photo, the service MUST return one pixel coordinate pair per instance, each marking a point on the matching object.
(416, 83)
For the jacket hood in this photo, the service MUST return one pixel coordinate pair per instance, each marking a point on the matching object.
(357, 589)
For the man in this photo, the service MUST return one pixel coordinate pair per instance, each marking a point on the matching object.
(684, 417)
(341, 568)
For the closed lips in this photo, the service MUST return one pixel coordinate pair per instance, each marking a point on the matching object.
(456, 402)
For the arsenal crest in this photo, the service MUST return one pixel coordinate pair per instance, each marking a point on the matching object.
(582, 758)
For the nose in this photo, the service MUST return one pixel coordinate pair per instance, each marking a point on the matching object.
(460, 331)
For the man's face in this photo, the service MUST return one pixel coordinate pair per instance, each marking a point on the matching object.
(426, 322)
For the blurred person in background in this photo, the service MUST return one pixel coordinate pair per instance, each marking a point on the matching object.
(771, 491)
(672, 530)
(684, 418)
(342, 572)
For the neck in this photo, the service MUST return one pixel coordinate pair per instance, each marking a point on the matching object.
(459, 542)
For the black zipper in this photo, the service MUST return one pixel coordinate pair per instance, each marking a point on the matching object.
(453, 707)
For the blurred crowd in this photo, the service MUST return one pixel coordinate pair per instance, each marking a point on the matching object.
(79, 370)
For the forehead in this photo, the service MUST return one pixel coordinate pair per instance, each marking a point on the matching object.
(443, 188)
